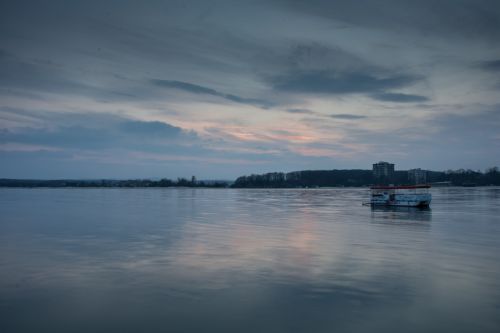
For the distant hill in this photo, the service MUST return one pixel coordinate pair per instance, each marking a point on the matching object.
(356, 177)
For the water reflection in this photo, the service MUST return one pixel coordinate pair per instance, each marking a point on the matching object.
(190, 260)
(405, 215)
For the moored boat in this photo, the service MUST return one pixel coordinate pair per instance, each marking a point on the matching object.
(408, 196)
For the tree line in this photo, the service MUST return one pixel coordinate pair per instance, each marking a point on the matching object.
(353, 178)
(296, 179)
(180, 182)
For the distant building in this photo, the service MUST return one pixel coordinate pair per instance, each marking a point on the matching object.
(417, 176)
(383, 172)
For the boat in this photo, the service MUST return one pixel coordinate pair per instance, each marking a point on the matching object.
(407, 196)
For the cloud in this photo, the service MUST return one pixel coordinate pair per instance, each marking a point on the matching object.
(16, 72)
(490, 66)
(316, 56)
(31, 77)
(315, 68)
(399, 98)
(329, 82)
(189, 87)
(300, 111)
(97, 145)
(347, 116)
(151, 129)
(94, 131)
(449, 18)
(3, 54)
(196, 89)
(16, 147)
(83, 58)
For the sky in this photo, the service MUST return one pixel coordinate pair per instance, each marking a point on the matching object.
(223, 88)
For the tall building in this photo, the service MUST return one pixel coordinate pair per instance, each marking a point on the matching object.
(383, 172)
(417, 176)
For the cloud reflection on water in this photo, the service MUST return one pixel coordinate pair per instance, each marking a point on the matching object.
(225, 260)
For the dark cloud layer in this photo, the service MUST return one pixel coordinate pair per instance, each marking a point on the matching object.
(196, 89)
(324, 82)
(16, 72)
(341, 116)
(151, 128)
(84, 131)
(347, 116)
(400, 98)
(492, 65)
(300, 111)
(446, 18)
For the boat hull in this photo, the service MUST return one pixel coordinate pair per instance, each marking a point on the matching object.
(402, 204)
(403, 200)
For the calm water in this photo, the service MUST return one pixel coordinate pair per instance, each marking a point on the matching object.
(218, 260)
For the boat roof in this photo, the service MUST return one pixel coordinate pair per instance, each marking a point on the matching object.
(404, 187)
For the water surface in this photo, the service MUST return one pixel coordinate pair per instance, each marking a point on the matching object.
(219, 260)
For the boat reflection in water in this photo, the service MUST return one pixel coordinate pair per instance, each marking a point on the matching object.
(401, 215)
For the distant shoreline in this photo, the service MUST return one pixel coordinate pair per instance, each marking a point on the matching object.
(187, 187)
(107, 183)
(296, 179)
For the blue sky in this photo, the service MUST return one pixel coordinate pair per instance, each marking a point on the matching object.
(218, 89)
